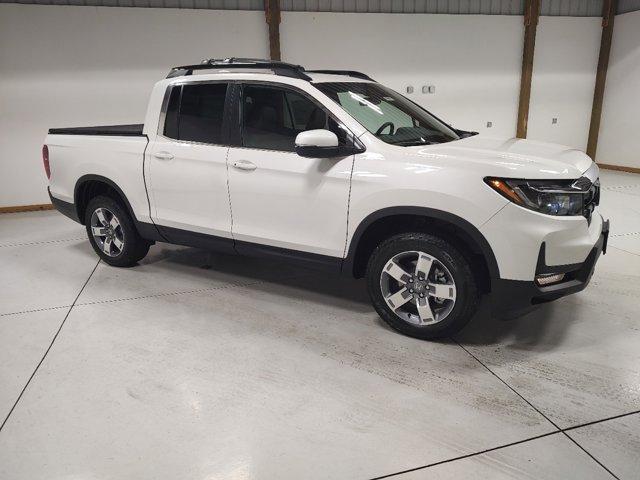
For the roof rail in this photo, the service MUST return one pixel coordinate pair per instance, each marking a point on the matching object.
(349, 73)
(279, 68)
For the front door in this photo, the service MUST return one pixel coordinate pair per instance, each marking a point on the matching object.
(279, 198)
(185, 165)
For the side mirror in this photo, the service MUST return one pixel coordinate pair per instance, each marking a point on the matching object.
(317, 144)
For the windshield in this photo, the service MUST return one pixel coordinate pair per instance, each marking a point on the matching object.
(387, 114)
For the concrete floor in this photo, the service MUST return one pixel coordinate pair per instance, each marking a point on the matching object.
(201, 366)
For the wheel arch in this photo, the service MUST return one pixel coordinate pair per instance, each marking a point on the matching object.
(89, 186)
(390, 221)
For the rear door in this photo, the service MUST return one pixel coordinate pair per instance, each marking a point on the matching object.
(186, 170)
(279, 198)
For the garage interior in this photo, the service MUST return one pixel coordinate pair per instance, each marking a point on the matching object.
(198, 365)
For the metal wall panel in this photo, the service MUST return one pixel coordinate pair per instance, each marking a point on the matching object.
(205, 4)
(474, 7)
(625, 6)
(572, 8)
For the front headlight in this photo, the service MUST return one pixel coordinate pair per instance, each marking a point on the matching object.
(552, 197)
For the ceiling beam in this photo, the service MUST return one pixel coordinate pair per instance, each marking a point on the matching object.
(608, 16)
(272, 14)
(531, 16)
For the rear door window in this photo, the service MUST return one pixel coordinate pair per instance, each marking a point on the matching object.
(195, 112)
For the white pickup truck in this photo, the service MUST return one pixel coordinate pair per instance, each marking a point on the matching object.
(334, 170)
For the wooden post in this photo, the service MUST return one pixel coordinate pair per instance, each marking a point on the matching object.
(531, 15)
(608, 15)
(272, 14)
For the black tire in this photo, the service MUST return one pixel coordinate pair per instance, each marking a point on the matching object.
(134, 246)
(467, 298)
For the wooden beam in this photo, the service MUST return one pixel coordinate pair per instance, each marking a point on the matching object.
(608, 16)
(619, 168)
(531, 16)
(26, 208)
(272, 14)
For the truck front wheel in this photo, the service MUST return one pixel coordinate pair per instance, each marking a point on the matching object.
(421, 285)
(112, 233)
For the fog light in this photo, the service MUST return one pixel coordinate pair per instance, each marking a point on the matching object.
(549, 278)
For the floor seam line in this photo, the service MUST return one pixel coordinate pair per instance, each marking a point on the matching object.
(623, 250)
(55, 336)
(594, 422)
(508, 386)
(590, 455)
(560, 430)
(469, 455)
(43, 242)
(58, 307)
(186, 292)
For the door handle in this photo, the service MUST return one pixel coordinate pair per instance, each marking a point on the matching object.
(244, 165)
(163, 155)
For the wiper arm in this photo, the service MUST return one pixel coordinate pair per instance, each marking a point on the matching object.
(412, 143)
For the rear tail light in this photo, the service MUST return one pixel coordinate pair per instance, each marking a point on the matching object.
(45, 160)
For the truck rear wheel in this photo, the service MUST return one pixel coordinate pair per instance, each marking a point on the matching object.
(112, 233)
(421, 285)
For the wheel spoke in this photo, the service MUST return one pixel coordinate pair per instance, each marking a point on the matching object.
(101, 217)
(114, 222)
(399, 298)
(424, 311)
(99, 231)
(442, 290)
(397, 272)
(106, 246)
(423, 266)
(118, 243)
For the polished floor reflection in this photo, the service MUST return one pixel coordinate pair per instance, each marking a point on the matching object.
(201, 366)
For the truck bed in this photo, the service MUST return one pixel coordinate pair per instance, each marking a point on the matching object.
(133, 130)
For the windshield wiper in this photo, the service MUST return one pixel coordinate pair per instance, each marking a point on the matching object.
(413, 143)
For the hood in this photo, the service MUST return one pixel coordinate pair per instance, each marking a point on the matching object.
(513, 158)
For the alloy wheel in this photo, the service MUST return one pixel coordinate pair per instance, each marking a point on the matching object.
(418, 288)
(107, 232)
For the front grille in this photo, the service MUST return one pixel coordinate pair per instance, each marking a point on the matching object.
(591, 197)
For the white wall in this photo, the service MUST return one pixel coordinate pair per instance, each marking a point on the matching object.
(564, 75)
(619, 141)
(73, 66)
(474, 61)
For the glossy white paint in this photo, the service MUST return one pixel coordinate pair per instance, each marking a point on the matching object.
(117, 158)
(317, 138)
(516, 234)
(290, 201)
(449, 177)
(315, 205)
(187, 184)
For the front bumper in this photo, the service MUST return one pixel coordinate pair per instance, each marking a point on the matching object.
(511, 298)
